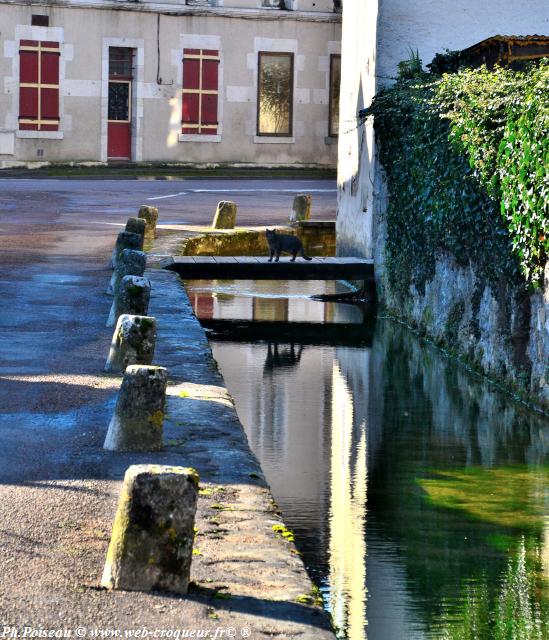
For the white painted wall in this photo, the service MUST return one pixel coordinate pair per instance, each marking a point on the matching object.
(376, 35)
(431, 26)
(356, 152)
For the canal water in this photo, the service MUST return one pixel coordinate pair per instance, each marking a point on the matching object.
(418, 493)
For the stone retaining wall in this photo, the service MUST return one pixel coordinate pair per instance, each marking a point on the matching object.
(501, 331)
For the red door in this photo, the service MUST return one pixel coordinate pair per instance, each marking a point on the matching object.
(119, 134)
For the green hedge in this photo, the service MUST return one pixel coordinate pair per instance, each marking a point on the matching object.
(466, 157)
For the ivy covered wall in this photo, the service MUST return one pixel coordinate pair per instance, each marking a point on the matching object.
(466, 227)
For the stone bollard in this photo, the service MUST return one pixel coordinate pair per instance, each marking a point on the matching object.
(132, 297)
(153, 531)
(301, 209)
(126, 240)
(136, 225)
(133, 342)
(225, 215)
(130, 263)
(139, 413)
(150, 215)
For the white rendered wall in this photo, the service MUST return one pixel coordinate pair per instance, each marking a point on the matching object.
(431, 26)
(356, 161)
(376, 35)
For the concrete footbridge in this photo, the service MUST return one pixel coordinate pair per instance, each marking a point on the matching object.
(259, 268)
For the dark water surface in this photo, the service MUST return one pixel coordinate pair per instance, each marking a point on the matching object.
(418, 493)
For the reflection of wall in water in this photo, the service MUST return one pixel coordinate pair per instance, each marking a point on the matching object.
(365, 387)
(347, 511)
(226, 300)
(462, 410)
(284, 411)
(357, 551)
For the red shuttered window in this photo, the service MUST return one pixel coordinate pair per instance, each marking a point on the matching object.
(200, 91)
(39, 85)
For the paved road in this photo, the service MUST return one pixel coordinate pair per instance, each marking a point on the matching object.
(179, 201)
(58, 488)
(54, 231)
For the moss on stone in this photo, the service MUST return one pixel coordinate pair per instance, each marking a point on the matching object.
(157, 419)
(281, 531)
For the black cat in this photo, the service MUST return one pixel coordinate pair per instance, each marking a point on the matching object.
(282, 242)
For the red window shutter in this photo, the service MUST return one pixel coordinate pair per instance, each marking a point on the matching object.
(209, 100)
(28, 75)
(191, 73)
(200, 91)
(49, 94)
(39, 85)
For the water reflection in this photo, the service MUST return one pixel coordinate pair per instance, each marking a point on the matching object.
(348, 478)
(418, 493)
(258, 300)
(281, 357)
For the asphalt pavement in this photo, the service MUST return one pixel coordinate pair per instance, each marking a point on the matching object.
(58, 488)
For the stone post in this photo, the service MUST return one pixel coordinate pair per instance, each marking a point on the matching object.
(132, 297)
(150, 215)
(129, 263)
(301, 209)
(133, 342)
(225, 215)
(126, 240)
(152, 536)
(139, 413)
(136, 225)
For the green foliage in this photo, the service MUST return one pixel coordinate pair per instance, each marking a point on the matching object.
(517, 610)
(500, 120)
(411, 68)
(448, 62)
(466, 159)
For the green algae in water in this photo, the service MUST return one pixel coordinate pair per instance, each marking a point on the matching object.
(513, 497)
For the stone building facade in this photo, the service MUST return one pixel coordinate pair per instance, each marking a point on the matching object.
(201, 81)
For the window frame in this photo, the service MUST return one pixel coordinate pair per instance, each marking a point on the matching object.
(290, 132)
(333, 56)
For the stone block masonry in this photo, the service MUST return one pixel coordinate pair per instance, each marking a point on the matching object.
(501, 331)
